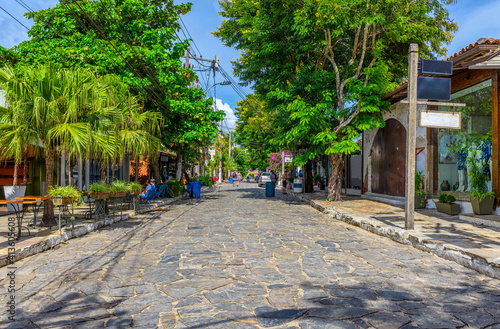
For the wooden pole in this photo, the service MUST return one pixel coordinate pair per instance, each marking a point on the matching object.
(411, 138)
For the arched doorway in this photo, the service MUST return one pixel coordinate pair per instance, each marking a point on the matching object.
(388, 157)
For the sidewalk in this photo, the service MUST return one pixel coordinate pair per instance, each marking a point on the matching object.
(43, 238)
(476, 246)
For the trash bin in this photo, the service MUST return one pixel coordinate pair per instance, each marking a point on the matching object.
(231, 180)
(189, 188)
(297, 185)
(196, 189)
(270, 189)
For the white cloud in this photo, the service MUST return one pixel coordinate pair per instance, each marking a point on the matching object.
(230, 118)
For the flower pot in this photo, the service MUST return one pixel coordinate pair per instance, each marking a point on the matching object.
(121, 193)
(447, 208)
(483, 207)
(420, 201)
(112, 194)
(61, 201)
(99, 195)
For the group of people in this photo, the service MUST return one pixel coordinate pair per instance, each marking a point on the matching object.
(150, 185)
(284, 179)
(236, 176)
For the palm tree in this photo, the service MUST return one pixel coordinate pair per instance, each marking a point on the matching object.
(68, 110)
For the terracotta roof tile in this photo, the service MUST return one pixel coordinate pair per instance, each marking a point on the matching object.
(482, 41)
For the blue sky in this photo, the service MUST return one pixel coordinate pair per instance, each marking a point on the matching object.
(476, 19)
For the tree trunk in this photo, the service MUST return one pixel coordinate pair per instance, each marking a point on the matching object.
(178, 174)
(308, 181)
(104, 171)
(68, 171)
(26, 168)
(335, 181)
(16, 165)
(48, 207)
(155, 167)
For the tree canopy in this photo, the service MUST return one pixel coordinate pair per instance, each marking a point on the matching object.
(324, 66)
(135, 40)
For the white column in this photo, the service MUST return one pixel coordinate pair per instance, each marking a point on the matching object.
(63, 169)
(80, 173)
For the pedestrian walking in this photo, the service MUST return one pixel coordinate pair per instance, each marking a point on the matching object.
(238, 178)
(234, 175)
(284, 181)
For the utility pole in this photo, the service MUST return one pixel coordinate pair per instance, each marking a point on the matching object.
(411, 138)
(282, 163)
(230, 135)
(186, 63)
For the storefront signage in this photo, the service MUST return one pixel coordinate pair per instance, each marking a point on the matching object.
(430, 66)
(441, 119)
(433, 88)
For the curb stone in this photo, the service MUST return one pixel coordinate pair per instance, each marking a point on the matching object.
(55, 239)
(486, 266)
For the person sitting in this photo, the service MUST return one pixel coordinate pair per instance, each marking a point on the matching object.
(146, 189)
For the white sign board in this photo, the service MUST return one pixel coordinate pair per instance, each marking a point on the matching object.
(441, 119)
(288, 159)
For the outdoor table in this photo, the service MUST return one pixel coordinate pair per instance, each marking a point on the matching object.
(36, 207)
(19, 209)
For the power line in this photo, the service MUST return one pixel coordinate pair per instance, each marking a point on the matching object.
(194, 43)
(116, 50)
(14, 18)
(23, 5)
(141, 62)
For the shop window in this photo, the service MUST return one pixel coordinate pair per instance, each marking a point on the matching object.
(459, 151)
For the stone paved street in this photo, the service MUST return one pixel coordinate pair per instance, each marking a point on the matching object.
(235, 259)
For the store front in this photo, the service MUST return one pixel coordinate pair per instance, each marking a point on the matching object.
(446, 157)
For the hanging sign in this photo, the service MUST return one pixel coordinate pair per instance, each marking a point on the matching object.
(433, 88)
(288, 159)
(441, 119)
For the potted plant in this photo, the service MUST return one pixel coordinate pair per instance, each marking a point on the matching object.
(481, 199)
(119, 187)
(447, 204)
(99, 190)
(134, 188)
(420, 195)
(64, 194)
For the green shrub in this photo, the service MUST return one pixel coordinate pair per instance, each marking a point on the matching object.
(100, 187)
(176, 187)
(479, 181)
(206, 180)
(134, 186)
(450, 198)
(447, 198)
(65, 192)
(119, 186)
(419, 183)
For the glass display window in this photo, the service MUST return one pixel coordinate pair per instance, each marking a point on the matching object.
(459, 152)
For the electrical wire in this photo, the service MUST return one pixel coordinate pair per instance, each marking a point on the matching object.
(23, 5)
(159, 104)
(148, 71)
(14, 18)
(190, 37)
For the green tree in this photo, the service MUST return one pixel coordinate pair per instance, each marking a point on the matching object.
(325, 65)
(70, 111)
(135, 40)
(254, 130)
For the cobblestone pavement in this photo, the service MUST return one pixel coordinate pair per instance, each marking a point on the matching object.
(235, 259)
